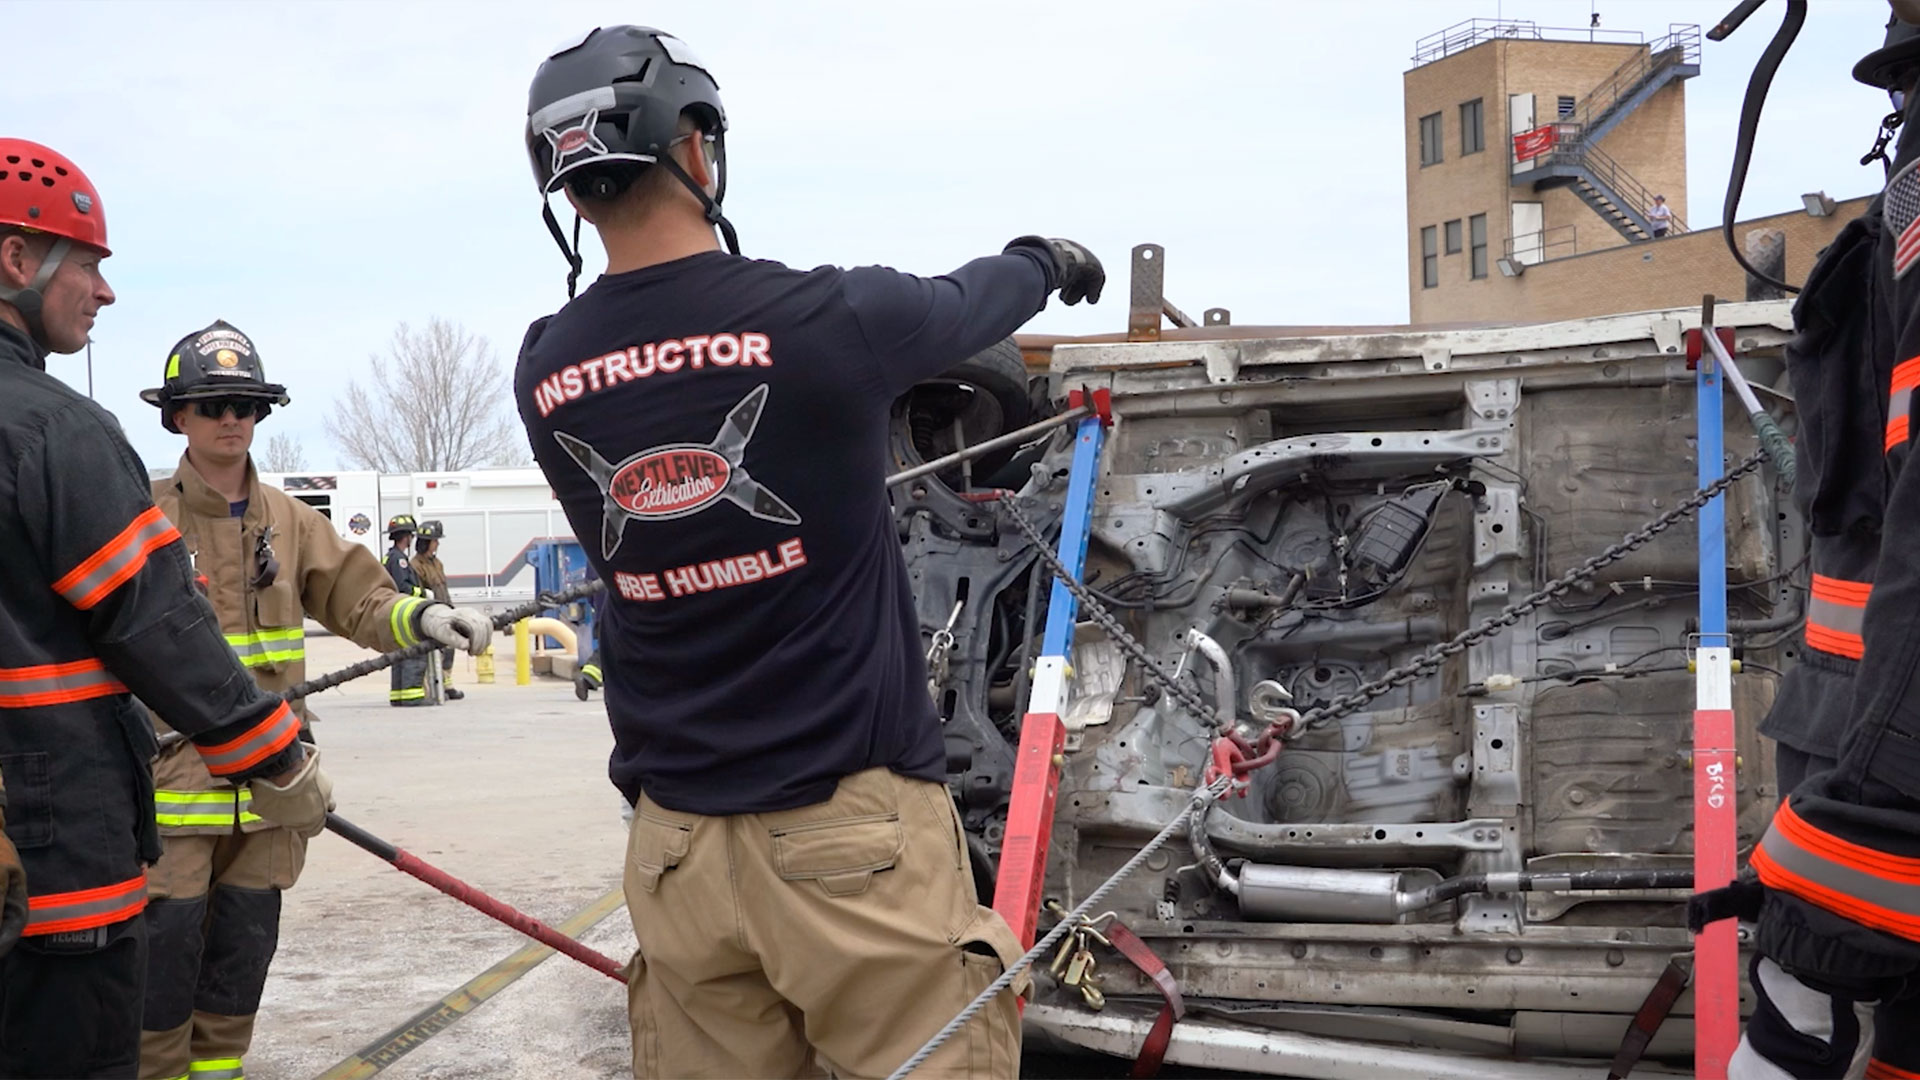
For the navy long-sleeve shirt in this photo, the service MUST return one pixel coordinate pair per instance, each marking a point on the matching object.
(716, 429)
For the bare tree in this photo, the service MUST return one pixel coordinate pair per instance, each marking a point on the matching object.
(438, 400)
(285, 454)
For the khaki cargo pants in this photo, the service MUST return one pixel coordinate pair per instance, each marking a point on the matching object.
(839, 936)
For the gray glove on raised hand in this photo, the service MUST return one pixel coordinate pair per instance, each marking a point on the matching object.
(459, 627)
(301, 804)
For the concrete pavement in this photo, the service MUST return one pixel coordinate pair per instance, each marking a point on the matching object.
(506, 790)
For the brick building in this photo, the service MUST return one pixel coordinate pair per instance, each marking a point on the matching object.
(1533, 157)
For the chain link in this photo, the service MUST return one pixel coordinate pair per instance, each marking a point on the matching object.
(1095, 610)
(1419, 666)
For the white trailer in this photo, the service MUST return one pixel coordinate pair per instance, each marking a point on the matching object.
(493, 517)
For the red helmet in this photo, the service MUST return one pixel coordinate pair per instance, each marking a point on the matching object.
(43, 191)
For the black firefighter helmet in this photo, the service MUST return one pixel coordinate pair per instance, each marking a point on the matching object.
(431, 530)
(607, 105)
(401, 525)
(218, 362)
(1891, 66)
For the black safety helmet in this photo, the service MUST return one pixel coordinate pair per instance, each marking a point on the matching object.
(614, 98)
(218, 362)
(430, 530)
(401, 525)
(1891, 66)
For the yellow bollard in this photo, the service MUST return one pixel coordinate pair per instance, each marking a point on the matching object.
(522, 654)
(483, 666)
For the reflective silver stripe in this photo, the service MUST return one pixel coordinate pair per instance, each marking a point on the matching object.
(60, 912)
(52, 684)
(231, 757)
(216, 1069)
(1899, 899)
(127, 552)
(1836, 616)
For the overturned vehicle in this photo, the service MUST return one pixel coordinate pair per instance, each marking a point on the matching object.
(1463, 869)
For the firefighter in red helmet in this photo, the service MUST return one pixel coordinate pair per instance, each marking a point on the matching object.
(97, 606)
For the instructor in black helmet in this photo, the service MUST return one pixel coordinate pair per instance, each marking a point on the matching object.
(716, 430)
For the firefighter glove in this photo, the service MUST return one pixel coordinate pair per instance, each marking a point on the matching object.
(13, 905)
(1077, 273)
(302, 804)
(459, 627)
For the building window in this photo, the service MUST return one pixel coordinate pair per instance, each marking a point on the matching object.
(1472, 140)
(1430, 135)
(1567, 104)
(1429, 258)
(1453, 237)
(1477, 225)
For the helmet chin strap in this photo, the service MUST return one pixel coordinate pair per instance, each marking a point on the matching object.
(711, 203)
(29, 301)
(572, 253)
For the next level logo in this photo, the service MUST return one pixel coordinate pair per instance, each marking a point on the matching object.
(678, 479)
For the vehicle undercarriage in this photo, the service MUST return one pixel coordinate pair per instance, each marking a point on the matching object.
(1282, 519)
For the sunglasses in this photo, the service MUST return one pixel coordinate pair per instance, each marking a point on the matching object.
(243, 408)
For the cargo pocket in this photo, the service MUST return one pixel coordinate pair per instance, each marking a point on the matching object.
(278, 615)
(29, 782)
(842, 855)
(286, 857)
(987, 949)
(653, 848)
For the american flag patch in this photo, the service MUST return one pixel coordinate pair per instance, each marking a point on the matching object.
(1903, 216)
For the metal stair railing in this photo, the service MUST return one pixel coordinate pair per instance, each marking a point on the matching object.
(1623, 186)
(1681, 45)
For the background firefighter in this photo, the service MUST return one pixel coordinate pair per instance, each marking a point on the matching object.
(98, 603)
(408, 683)
(433, 576)
(213, 912)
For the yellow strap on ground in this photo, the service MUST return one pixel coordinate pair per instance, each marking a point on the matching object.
(431, 1021)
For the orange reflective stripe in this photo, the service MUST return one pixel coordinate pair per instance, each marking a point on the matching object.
(1906, 375)
(1835, 615)
(1906, 378)
(262, 741)
(56, 684)
(1880, 1070)
(1836, 642)
(1901, 868)
(57, 913)
(1775, 876)
(117, 560)
(1842, 591)
(1873, 888)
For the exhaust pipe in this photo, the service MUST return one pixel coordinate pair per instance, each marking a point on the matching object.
(1313, 894)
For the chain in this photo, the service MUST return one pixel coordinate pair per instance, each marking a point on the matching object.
(1419, 666)
(1094, 609)
(1428, 661)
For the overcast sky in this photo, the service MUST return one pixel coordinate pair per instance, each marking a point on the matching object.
(318, 172)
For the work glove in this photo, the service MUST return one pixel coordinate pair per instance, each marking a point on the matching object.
(300, 805)
(13, 880)
(1077, 274)
(459, 627)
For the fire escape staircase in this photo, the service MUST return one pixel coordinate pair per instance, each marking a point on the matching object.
(1574, 160)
